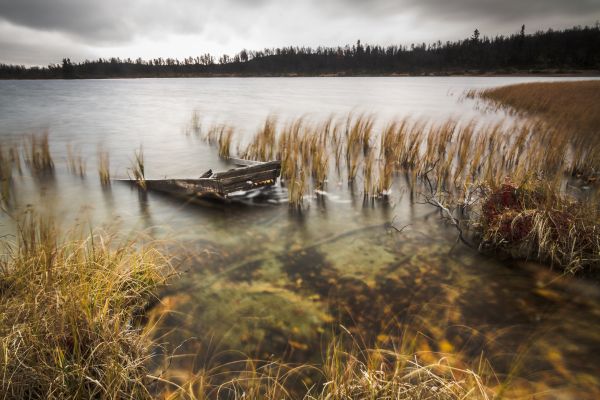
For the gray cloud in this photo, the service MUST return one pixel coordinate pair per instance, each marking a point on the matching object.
(106, 21)
(500, 10)
(151, 28)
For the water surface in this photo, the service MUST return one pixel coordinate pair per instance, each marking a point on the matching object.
(269, 282)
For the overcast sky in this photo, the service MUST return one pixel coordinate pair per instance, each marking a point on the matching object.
(44, 31)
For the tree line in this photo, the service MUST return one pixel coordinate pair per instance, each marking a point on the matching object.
(558, 50)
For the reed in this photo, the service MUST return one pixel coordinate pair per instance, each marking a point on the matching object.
(75, 162)
(263, 147)
(194, 126)
(6, 176)
(384, 183)
(368, 186)
(225, 138)
(319, 163)
(38, 157)
(137, 170)
(296, 187)
(104, 167)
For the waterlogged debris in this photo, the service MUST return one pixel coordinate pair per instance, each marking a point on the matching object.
(219, 185)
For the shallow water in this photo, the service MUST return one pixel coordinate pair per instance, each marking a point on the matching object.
(266, 281)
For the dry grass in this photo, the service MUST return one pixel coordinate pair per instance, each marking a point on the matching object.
(224, 141)
(345, 375)
(104, 167)
(68, 306)
(137, 170)
(37, 154)
(75, 162)
(7, 164)
(571, 107)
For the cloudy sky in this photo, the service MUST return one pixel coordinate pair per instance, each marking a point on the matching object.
(38, 32)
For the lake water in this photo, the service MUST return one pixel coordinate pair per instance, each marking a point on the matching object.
(269, 282)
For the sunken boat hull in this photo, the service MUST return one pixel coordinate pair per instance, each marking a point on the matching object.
(218, 185)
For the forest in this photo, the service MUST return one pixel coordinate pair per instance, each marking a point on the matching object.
(551, 51)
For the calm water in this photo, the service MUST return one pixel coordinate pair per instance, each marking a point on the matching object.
(265, 281)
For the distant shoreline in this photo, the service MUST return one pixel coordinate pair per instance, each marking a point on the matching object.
(549, 74)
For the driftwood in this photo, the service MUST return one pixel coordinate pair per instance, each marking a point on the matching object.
(218, 184)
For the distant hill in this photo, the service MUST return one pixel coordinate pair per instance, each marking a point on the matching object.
(552, 51)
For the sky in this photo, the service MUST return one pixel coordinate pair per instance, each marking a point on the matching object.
(40, 32)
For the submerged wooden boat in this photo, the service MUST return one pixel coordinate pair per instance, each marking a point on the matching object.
(220, 185)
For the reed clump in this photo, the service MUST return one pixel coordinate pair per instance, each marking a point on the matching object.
(104, 168)
(195, 125)
(37, 154)
(75, 162)
(68, 310)
(225, 138)
(137, 170)
(7, 164)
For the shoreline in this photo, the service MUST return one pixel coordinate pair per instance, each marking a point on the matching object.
(499, 74)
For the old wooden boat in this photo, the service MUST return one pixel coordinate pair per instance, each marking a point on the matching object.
(218, 185)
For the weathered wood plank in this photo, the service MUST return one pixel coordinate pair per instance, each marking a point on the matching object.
(247, 170)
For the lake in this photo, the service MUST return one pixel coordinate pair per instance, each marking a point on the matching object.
(266, 281)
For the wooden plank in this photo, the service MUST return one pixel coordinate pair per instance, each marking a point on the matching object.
(243, 163)
(250, 177)
(247, 186)
(247, 170)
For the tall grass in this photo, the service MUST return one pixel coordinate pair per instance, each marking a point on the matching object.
(7, 163)
(75, 162)
(225, 138)
(570, 107)
(37, 154)
(68, 310)
(137, 170)
(345, 374)
(104, 167)
(348, 371)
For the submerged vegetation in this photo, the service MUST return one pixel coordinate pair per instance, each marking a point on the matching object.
(71, 327)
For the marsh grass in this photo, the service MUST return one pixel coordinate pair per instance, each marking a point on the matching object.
(68, 308)
(37, 154)
(572, 108)
(75, 162)
(194, 127)
(357, 373)
(7, 164)
(224, 141)
(137, 170)
(104, 167)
